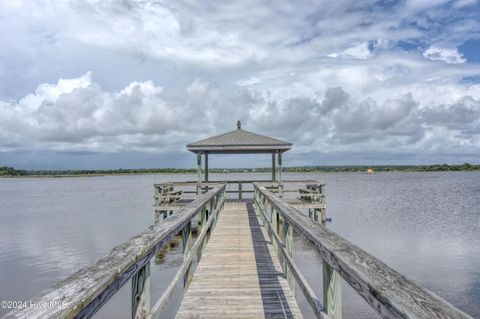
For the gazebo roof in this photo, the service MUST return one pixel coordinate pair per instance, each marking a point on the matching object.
(239, 141)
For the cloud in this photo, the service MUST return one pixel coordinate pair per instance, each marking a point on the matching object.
(331, 77)
(334, 98)
(360, 51)
(464, 3)
(77, 115)
(451, 56)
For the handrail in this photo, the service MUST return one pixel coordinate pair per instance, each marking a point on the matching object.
(164, 198)
(388, 292)
(187, 261)
(291, 267)
(82, 294)
(235, 181)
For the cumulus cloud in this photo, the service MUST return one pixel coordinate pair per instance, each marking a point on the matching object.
(447, 55)
(78, 115)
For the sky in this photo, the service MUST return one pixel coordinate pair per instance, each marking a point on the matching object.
(128, 83)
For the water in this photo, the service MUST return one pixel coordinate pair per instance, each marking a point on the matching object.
(425, 225)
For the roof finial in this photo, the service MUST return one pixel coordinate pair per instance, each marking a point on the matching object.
(239, 125)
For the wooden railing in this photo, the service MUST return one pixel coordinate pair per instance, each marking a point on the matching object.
(388, 292)
(170, 192)
(85, 292)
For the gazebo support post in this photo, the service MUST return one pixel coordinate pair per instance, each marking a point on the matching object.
(199, 166)
(206, 166)
(280, 185)
(279, 167)
(273, 166)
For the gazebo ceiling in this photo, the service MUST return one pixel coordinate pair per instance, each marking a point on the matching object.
(239, 141)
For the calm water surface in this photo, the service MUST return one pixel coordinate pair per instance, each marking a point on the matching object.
(425, 225)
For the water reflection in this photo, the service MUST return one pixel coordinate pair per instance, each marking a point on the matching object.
(160, 258)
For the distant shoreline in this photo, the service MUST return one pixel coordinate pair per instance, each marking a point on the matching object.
(83, 175)
(9, 172)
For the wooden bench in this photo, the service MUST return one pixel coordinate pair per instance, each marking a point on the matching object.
(166, 189)
(170, 197)
(316, 187)
(310, 195)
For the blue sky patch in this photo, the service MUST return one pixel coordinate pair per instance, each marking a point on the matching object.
(471, 50)
(408, 45)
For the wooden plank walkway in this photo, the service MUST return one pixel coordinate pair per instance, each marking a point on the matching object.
(239, 275)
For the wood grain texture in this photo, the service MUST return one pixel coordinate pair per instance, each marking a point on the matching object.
(141, 293)
(332, 294)
(239, 275)
(88, 289)
(388, 292)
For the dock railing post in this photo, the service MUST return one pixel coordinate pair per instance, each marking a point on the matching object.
(199, 189)
(202, 221)
(239, 189)
(289, 245)
(157, 195)
(210, 211)
(274, 222)
(332, 293)
(269, 218)
(323, 212)
(287, 238)
(141, 292)
(187, 244)
(216, 203)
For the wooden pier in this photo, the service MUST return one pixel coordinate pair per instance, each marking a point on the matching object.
(244, 247)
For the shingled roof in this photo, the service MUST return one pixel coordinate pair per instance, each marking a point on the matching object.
(239, 141)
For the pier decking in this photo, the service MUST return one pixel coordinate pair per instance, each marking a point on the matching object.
(239, 275)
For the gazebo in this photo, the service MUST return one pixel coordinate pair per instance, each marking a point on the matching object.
(239, 141)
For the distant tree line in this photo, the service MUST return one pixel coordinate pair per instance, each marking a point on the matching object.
(10, 171)
(387, 168)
